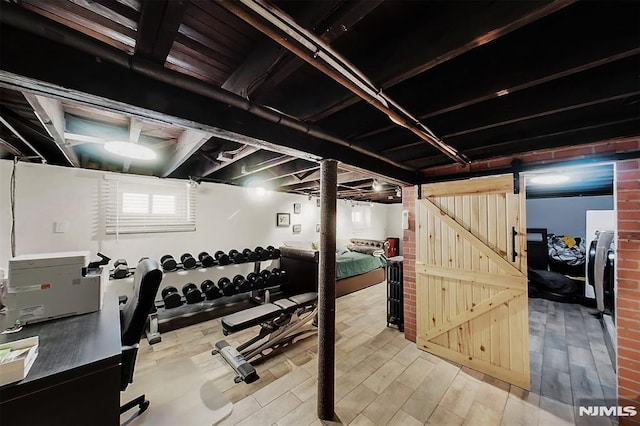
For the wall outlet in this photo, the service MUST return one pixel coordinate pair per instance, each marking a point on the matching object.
(60, 227)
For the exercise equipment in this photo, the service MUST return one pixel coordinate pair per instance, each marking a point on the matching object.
(236, 256)
(256, 281)
(261, 253)
(191, 293)
(250, 256)
(171, 297)
(242, 284)
(206, 259)
(281, 275)
(227, 286)
(274, 253)
(120, 269)
(188, 261)
(222, 258)
(168, 263)
(210, 290)
(281, 323)
(269, 278)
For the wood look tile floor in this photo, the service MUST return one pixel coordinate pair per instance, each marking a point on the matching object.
(381, 378)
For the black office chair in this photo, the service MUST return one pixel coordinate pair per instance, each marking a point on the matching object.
(133, 317)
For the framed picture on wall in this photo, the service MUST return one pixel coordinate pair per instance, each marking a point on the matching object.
(297, 229)
(297, 208)
(283, 219)
(317, 227)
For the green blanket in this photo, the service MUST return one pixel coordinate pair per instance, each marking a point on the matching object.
(351, 264)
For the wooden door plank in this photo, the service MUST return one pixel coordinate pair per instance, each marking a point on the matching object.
(515, 377)
(487, 251)
(482, 231)
(492, 231)
(480, 309)
(502, 281)
(493, 185)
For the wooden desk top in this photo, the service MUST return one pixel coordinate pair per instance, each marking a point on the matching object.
(70, 346)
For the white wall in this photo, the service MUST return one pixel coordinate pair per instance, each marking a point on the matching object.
(564, 215)
(227, 217)
(394, 223)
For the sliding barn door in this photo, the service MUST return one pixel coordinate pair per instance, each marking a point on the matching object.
(471, 272)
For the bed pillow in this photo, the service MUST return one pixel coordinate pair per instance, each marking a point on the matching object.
(340, 247)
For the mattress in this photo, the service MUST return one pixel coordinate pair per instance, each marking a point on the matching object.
(352, 263)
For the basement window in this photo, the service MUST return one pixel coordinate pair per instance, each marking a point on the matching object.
(135, 207)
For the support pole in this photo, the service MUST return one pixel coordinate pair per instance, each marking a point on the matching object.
(327, 289)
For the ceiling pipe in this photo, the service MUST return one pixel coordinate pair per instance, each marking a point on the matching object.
(318, 54)
(263, 166)
(33, 23)
(23, 140)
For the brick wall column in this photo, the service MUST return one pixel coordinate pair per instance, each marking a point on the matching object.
(628, 285)
(409, 195)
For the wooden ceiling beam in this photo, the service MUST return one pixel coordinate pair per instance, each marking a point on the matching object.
(158, 27)
(110, 85)
(7, 146)
(484, 27)
(51, 116)
(568, 137)
(269, 63)
(189, 142)
(248, 170)
(347, 15)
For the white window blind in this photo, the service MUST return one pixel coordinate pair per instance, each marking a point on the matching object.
(139, 206)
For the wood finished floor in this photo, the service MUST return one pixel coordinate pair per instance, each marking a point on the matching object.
(383, 379)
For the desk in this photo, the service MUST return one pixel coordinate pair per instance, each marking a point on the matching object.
(75, 380)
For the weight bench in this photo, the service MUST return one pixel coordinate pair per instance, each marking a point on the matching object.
(281, 322)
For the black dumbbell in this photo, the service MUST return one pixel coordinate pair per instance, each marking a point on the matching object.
(236, 256)
(192, 293)
(210, 290)
(274, 253)
(269, 278)
(256, 281)
(120, 269)
(171, 297)
(168, 263)
(262, 253)
(228, 288)
(206, 260)
(188, 261)
(222, 258)
(249, 255)
(281, 276)
(242, 284)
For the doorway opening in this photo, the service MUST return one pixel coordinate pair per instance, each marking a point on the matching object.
(571, 230)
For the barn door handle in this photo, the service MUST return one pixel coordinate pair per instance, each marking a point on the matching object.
(514, 253)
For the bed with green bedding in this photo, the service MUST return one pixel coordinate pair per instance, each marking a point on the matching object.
(353, 263)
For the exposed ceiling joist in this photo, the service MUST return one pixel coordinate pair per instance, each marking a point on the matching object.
(315, 52)
(266, 56)
(188, 143)
(492, 23)
(51, 115)
(341, 21)
(230, 159)
(158, 27)
(18, 135)
(264, 165)
(311, 184)
(10, 148)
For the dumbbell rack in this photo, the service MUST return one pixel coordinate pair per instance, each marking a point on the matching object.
(164, 320)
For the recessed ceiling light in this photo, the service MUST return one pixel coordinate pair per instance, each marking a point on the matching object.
(549, 179)
(130, 150)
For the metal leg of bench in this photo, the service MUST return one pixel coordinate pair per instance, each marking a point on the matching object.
(281, 334)
(151, 329)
